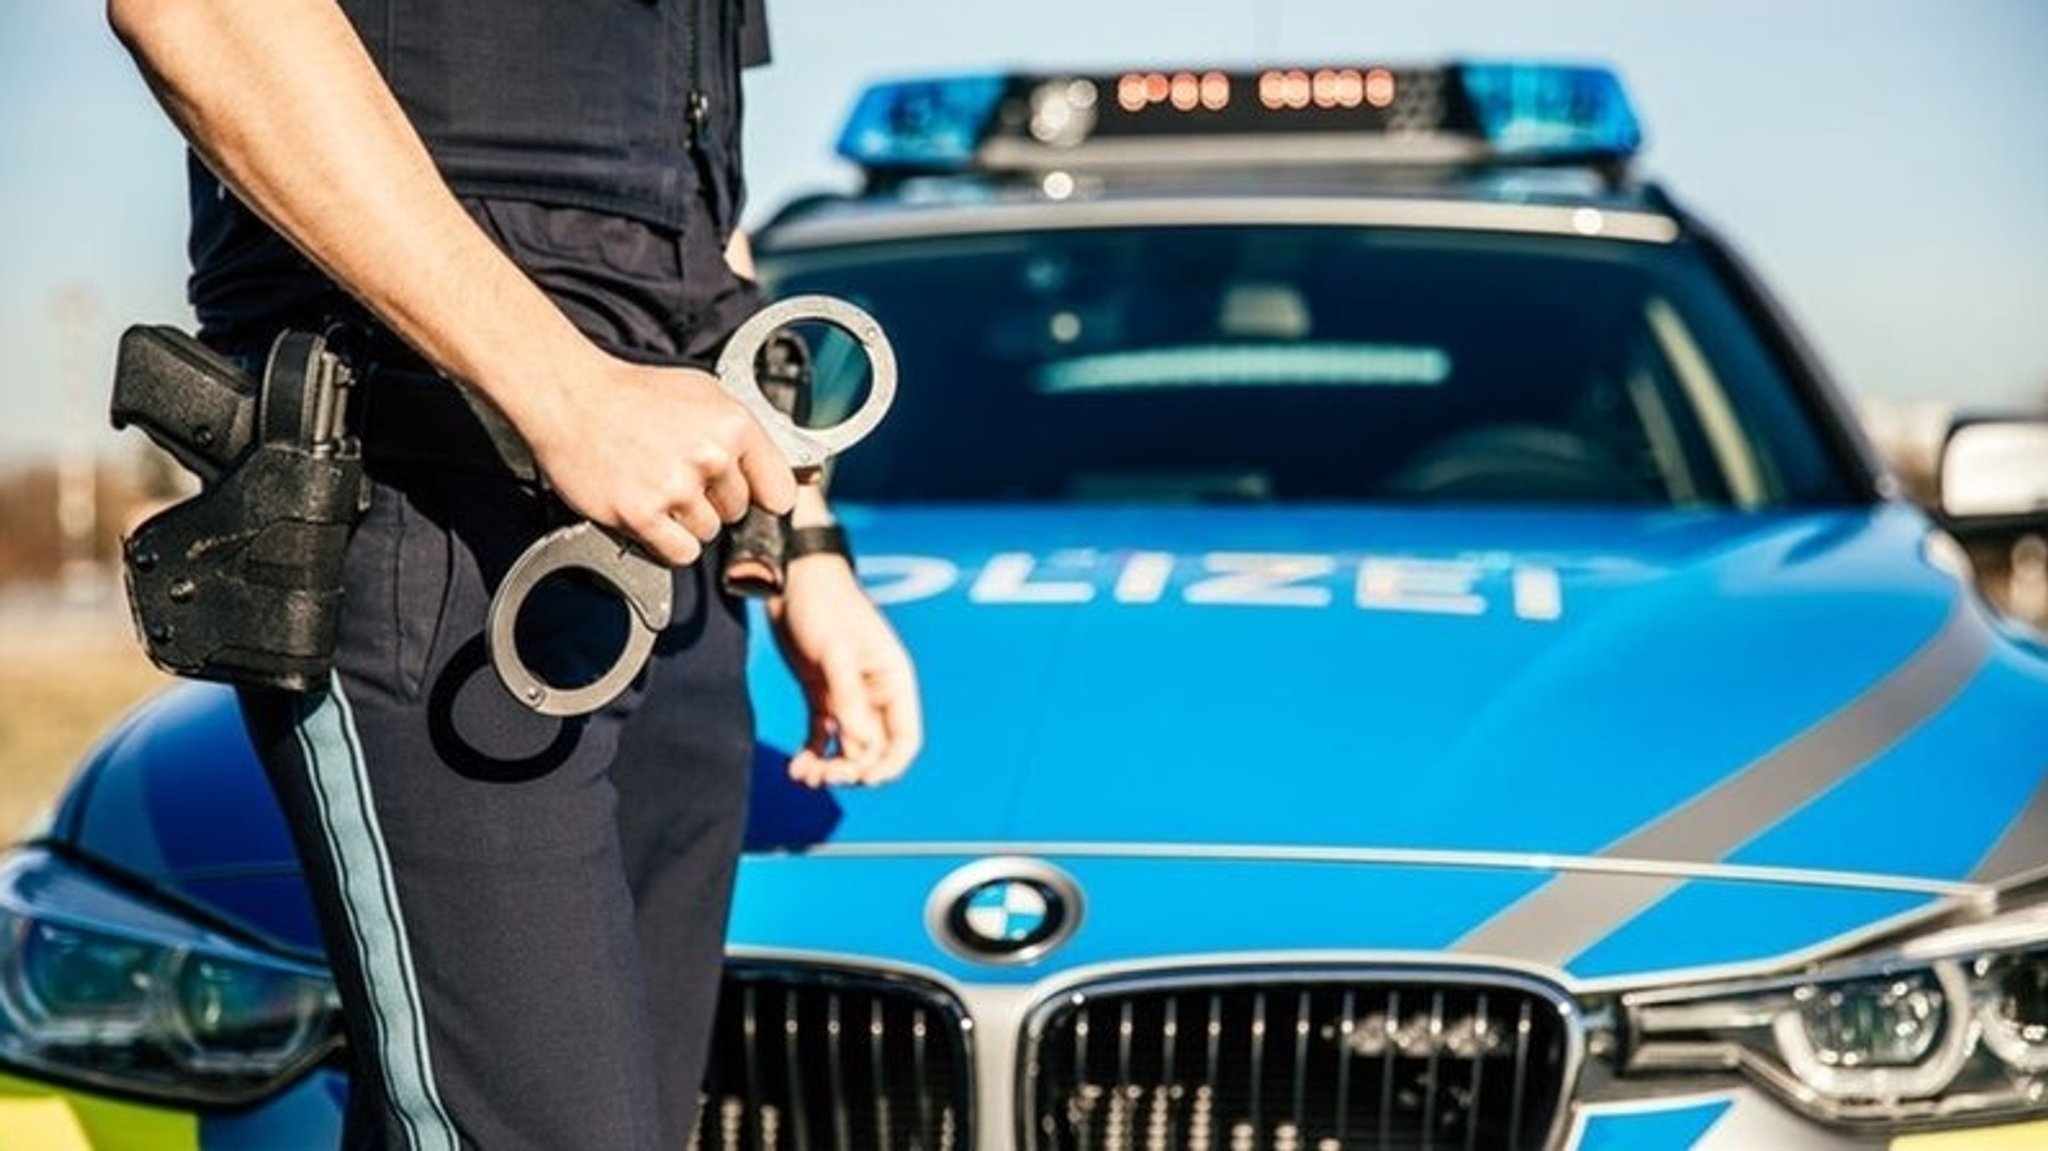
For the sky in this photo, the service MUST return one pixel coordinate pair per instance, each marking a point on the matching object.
(1884, 163)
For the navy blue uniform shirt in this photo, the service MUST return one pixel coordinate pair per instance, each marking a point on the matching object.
(625, 107)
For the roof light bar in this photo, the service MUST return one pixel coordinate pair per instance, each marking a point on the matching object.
(1514, 113)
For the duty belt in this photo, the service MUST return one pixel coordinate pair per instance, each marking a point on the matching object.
(413, 417)
(243, 581)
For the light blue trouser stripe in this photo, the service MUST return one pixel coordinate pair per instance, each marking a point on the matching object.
(341, 789)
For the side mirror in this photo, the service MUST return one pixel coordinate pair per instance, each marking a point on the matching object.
(1994, 475)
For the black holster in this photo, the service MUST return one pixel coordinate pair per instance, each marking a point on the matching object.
(242, 582)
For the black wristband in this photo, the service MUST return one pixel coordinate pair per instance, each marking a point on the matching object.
(801, 542)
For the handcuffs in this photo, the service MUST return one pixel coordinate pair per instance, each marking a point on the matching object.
(645, 583)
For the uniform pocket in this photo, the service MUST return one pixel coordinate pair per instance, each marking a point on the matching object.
(423, 560)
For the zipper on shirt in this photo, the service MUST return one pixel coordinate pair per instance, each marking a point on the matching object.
(699, 109)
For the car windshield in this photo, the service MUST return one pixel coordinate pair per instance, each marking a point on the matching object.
(1299, 364)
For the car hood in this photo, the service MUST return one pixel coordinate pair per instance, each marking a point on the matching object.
(1569, 737)
(1549, 683)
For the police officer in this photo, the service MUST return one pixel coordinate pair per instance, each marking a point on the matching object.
(538, 198)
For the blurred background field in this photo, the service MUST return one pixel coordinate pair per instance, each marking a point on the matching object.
(68, 667)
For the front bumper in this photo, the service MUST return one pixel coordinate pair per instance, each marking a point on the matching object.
(38, 1116)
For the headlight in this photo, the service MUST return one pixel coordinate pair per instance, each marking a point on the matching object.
(101, 988)
(1948, 1027)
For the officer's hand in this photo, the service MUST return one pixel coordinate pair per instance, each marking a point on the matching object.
(867, 722)
(661, 454)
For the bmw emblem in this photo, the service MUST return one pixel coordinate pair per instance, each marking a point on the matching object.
(1004, 910)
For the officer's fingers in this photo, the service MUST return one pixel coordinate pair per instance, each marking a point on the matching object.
(902, 718)
(820, 738)
(892, 693)
(770, 482)
(842, 772)
(699, 518)
(727, 493)
(861, 734)
(666, 540)
(807, 766)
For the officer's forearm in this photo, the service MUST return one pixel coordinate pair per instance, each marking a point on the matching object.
(281, 100)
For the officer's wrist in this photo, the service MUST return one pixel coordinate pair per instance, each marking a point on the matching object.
(811, 509)
(546, 396)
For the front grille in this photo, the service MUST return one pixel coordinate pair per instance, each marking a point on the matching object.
(1317, 1063)
(811, 1059)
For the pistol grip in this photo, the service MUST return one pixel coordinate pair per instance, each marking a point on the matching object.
(193, 402)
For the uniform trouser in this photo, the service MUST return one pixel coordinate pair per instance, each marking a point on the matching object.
(525, 915)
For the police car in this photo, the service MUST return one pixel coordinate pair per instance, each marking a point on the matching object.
(1416, 656)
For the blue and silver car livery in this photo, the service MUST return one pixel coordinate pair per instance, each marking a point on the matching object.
(1415, 658)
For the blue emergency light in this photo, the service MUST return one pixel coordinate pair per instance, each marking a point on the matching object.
(1551, 109)
(935, 124)
(1467, 112)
